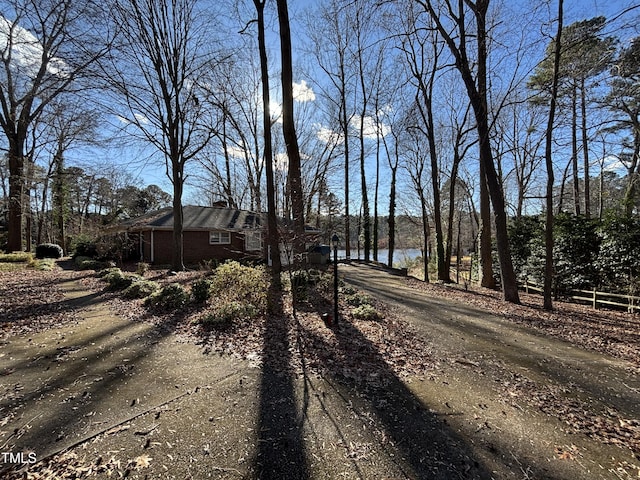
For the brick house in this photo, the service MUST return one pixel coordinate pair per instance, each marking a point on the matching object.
(209, 233)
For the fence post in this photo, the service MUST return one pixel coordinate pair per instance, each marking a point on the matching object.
(595, 299)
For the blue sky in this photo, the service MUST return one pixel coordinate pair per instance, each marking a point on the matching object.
(140, 162)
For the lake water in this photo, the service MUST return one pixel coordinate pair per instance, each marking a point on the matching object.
(400, 255)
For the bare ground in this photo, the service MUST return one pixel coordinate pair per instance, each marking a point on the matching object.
(450, 384)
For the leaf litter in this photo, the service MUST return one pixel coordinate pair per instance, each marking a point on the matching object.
(360, 351)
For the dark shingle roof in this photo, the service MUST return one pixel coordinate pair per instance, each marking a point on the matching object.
(197, 218)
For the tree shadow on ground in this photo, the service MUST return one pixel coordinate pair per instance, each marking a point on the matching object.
(420, 442)
(69, 389)
(281, 448)
(428, 447)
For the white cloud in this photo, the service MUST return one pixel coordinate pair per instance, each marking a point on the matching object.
(371, 129)
(302, 92)
(275, 110)
(612, 163)
(26, 50)
(327, 135)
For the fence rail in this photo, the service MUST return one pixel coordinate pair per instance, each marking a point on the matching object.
(594, 298)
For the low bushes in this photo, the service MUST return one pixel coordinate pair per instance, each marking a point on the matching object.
(240, 293)
(17, 257)
(366, 312)
(224, 314)
(44, 264)
(87, 263)
(169, 297)
(141, 289)
(117, 280)
(49, 250)
(201, 290)
(357, 299)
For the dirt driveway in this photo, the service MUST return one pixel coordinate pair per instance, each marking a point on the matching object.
(535, 404)
(112, 397)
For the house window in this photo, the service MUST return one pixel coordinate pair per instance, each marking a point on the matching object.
(219, 238)
(252, 241)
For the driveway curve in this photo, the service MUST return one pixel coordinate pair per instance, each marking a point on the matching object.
(534, 406)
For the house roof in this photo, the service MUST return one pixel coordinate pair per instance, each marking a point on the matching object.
(196, 218)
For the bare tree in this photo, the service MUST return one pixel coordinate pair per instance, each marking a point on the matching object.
(46, 48)
(70, 124)
(476, 86)
(523, 142)
(548, 265)
(272, 220)
(235, 161)
(460, 146)
(422, 50)
(416, 165)
(332, 42)
(157, 72)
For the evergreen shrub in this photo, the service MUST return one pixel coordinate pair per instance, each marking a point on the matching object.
(49, 250)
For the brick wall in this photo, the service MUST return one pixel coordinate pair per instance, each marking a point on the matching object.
(196, 248)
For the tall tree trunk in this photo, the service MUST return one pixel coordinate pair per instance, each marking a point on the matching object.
(60, 197)
(443, 271)
(16, 194)
(366, 215)
(425, 235)
(177, 259)
(478, 97)
(392, 212)
(289, 131)
(548, 265)
(375, 200)
(452, 198)
(574, 150)
(273, 237)
(485, 266)
(585, 152)
(345, 134)
(480, 106)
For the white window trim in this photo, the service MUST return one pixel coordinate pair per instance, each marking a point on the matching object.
(216, 237)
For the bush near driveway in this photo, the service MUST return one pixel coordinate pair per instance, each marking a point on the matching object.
(169, 297)
(240, 293)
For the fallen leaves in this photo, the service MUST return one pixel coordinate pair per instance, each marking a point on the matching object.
(610, 332)
(567, 452)
(143, 461)
(32, 301)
